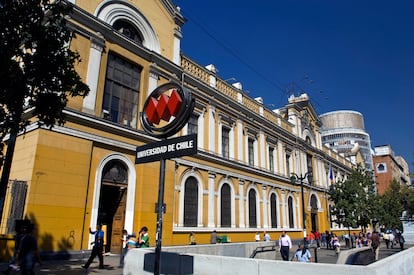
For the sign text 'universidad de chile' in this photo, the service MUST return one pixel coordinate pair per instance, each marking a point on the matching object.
(167, 148)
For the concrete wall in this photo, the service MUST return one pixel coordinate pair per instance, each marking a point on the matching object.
(400, 263)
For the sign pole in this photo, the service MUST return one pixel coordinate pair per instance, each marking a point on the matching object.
(160, 211)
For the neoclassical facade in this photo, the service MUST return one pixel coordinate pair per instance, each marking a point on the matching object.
(69, 178)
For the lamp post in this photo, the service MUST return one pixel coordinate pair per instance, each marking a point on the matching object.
(294, 178)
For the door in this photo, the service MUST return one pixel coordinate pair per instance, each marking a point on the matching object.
(118, 223)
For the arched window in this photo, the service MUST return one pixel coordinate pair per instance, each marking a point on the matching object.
(273, 210)
(252, 209)
(115, 172)
(290, 209)
(128, 30)
(225, 204)
(190, 202)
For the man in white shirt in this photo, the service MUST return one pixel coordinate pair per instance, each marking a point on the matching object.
(285, 245)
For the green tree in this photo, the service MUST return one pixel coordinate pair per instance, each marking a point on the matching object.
(353, 199)
(391, 206)
(36, 70)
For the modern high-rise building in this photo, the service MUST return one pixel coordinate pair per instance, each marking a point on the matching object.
(344, 131)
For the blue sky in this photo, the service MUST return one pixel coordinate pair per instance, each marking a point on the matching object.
(347, 55)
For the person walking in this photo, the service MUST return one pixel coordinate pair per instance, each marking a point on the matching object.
(19, 228)
(302, 254)
(285, 245)
(401, 239)
(386, 238)
(257, 237)
(97, 249)
(28, 254)
(375, 243)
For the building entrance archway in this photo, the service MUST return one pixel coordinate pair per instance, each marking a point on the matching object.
(112, 204)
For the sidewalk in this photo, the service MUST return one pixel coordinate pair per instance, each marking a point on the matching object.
(111, 262)
(73, 267)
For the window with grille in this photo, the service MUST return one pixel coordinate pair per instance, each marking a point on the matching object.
(121, 92)
(128, 30)
(193, 124)
(309, 167)
(287, 164)
(273, 211)
(225, 204)
(190, 202)
(252, 209)
(290, 209)
(250, 145)
(115, 172)
(18, 192)
(225, 142)
(271, 159)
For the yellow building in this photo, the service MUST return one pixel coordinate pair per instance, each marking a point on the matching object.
(72, 177)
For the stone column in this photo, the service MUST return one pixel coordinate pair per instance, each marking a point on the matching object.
(241, 204)
(92, 75)
(211, 199)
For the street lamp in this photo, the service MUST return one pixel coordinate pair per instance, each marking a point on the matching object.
(294, 178)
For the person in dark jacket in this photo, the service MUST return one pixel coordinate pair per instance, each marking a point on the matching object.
(97, 249)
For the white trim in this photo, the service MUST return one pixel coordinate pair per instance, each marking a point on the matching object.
(186, 175)
(113, 12)
(232, 200)
(130, 202)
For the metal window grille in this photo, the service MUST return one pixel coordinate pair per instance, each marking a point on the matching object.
(18, 192)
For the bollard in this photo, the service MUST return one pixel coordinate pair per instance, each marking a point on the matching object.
(316, 254)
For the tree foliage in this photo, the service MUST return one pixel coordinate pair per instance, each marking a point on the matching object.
(36, 64)
(391, 206)
(353, 199)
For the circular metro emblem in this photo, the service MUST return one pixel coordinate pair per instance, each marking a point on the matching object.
(167, 110)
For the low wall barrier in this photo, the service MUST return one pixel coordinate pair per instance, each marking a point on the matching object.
(187, 261)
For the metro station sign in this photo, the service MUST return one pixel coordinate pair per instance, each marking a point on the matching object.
(167, 148)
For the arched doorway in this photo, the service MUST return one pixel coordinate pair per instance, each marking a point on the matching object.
(111, 213)
(314, 213)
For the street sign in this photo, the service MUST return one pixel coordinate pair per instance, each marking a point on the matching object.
(167, 148)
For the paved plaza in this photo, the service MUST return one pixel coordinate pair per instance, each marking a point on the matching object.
(111, 263)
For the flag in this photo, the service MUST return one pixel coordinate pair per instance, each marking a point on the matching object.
(330, 174)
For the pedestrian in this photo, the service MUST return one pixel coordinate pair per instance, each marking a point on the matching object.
(28, 254)
(266, 237)
(336, 244)
(392, 239)
(328, 239)
(19, 226)
(192, 238)
(401, 240)
(285, 245)
(124, 248)
(375, 243)
(386, 238)
(311, 238)
(97, 249)
(213, 237)
(318, 238)
(132, 241)
(302, 254)
(143, 240)
(257, 237)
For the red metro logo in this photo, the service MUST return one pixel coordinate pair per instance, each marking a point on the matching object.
(167, 110)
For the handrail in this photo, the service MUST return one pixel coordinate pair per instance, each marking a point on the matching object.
(261, 249)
